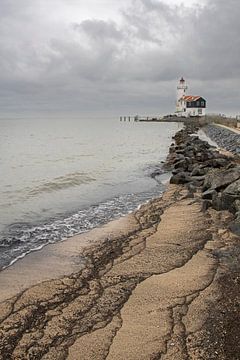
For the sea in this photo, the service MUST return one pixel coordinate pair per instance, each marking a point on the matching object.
(62, 177)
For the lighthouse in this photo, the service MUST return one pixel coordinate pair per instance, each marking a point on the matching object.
(188, 105)
(181, 92)
(181, 89)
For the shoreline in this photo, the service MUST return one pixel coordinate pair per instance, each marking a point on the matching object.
(97, 215)
(33, 267)
(150, 285)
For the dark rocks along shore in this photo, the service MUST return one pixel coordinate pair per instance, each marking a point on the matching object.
(204, 169)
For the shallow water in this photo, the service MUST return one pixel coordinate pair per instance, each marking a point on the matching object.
(60, 177)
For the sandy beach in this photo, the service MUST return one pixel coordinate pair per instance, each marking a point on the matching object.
(151, 285)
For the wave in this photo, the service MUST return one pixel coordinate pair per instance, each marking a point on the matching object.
(62, 182)
(20, 239)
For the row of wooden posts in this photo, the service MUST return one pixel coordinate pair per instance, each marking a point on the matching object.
(125, 118)
(135, 118)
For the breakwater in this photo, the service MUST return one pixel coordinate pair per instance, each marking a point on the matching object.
(200, 167)
(224, 137)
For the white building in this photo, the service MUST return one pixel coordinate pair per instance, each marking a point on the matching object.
(189, 105)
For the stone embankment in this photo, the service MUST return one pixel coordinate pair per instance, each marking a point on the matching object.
(224, 137)
(202, 168)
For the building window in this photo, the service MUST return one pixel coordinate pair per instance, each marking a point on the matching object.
(198, 103)
(203, 103)
(199, 111)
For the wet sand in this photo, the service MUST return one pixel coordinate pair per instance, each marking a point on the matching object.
(149, 284)
(56, 260)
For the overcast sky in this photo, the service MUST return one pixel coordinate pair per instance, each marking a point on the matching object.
(117, 57)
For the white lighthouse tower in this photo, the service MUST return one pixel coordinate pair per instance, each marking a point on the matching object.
(181, 89)
(181, 92)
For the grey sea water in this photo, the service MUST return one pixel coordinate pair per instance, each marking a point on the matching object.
(61, 177)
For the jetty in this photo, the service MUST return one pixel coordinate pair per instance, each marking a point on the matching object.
(148, 118)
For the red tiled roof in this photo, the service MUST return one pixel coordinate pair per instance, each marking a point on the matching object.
(188, 98)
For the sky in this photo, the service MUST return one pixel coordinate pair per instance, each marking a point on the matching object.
(108, 57)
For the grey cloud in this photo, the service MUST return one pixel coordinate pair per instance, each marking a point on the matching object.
(216, 50)
(128, 65)
(99, 29)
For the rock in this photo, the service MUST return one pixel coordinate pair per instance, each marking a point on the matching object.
(217, 202)
(233, 189)
(237, 206)
(209, 194)
(206, 205)
(230, 195)
(217, 179)
(180, 178)
(181, 164)
(157, 172)
(198, 171)
(190, 168)
(177, 171)
(235, 225)
(184, 164)
(179, 157)
(189, 153)
(220, 162)
(199, 156)
(191, 188)
(197, 180)
(180, 152)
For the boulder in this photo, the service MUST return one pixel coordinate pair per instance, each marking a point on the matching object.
(217, 201)
(219, 162)
(198, 171)
(233, 189)
(180, 178)
(235, 225)
(177, 171)
(209, 194)
(181, 164)
(157, 172)
(189, 153)
(191, 188)
(219, 179)
(230, 195)
(197, 180)
(178, 157)
(237, 206)
(206, 205)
